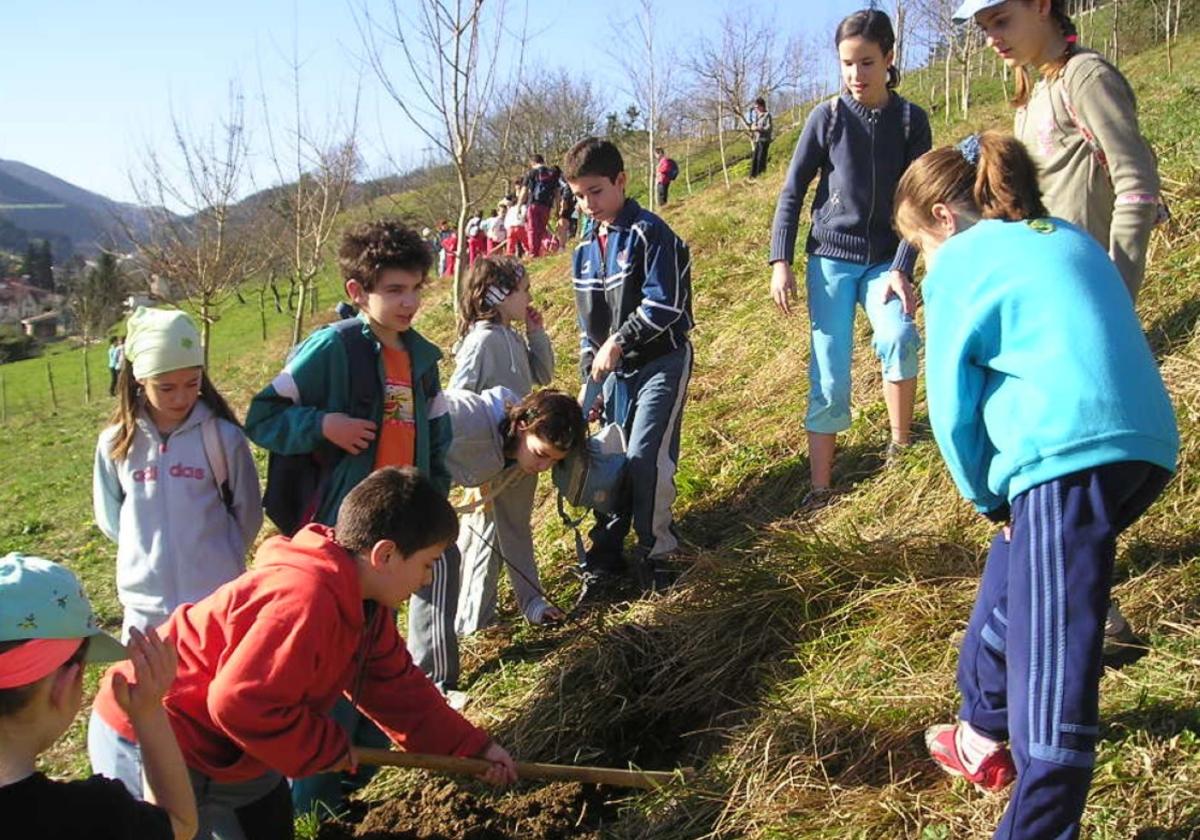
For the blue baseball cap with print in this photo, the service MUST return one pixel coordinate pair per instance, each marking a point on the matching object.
(968, 8)
(43, 604)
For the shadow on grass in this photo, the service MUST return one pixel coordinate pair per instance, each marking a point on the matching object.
(1161, 719)
(1188, 831)
(1173, 327)
(1142, 555)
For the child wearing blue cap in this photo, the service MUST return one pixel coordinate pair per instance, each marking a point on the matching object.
(174, 484)
(47, 634)
(1063, 436)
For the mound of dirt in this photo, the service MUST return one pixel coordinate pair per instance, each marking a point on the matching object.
(450, 812)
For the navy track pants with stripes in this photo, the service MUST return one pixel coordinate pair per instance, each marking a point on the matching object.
(1029, 667)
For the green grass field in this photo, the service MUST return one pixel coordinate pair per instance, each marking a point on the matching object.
(800, 658)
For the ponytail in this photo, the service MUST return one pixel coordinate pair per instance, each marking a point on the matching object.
(893, 81)
(990, 174)
(1023, 79)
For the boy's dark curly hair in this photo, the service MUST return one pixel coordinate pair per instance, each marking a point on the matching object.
(370, 248)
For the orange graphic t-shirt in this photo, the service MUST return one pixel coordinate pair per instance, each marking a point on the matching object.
(398, 433)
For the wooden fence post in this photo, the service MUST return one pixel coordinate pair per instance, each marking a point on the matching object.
(50, 379)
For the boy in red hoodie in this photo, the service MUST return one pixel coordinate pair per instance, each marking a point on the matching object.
(263, 659)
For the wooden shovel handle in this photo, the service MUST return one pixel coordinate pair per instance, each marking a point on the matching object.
(452, 764)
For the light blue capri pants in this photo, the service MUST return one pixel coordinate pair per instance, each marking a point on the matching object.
(834, 288)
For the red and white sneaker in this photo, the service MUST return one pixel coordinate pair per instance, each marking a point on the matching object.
(994, 773)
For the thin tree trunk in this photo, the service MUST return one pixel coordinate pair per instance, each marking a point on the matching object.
(87, 377)
(721, 143)
(464, 200)
(687, 163)
(262, 311)
(205, 325)
(949, 59)
(301, 303)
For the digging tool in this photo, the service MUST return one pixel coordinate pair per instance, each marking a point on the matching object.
(647, 779)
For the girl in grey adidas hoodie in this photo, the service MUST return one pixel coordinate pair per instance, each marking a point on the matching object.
(174, 485)
(491, 353)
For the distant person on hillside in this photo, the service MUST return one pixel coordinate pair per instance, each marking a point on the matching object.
(567, 224)
(859, 144)
(497, 234)
(633, 292)
(264, 659)
(491, 353)
(309, 407)
(1096, 170)
(538, 193)
(762, 132)
(434, 242)
(450, 246)
(47, 634)
(518, 233)
(174, 484)
(1062, 435)
(442, 255)
(666, 171)
(116, 361)
(476, 239)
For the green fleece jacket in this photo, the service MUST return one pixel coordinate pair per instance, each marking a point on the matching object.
(1117, 205)
(286, 416)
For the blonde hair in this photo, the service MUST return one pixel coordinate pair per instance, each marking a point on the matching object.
(1023, 79)
(1000, 184)
(505, 273)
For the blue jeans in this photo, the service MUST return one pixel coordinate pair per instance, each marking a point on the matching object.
(834, 288)
(649, 404)
(1029, 666)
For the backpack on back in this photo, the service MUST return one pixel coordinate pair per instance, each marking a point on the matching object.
(672, 169)
(297, 483)
(544, 186)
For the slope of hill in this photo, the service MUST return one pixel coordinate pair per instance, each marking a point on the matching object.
(801, 655)
(48, 207)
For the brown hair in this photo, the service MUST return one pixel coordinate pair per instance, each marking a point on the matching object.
(551, 415)
(370, 248)
(504, 272)
(13, 700)
(1001, 184)
(129, 403)
(1023, 79)
(874, 26)
(593, 156)
(397, 504)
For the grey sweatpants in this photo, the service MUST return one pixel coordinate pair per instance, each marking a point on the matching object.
(431, 612)
(503, 524)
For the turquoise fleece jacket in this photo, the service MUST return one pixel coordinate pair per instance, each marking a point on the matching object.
(1036, 365)
(286, 416)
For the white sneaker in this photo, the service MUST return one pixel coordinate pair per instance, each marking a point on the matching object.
(457, 700)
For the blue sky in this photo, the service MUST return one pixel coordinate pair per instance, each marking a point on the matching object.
(87, 85)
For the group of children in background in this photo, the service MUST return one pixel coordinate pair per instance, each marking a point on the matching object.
(1043, 395)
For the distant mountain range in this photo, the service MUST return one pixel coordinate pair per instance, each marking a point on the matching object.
(36, 205)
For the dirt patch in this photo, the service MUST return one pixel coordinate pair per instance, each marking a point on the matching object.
(450, 812)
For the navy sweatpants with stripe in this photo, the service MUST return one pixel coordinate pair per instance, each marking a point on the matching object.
(1029, 667)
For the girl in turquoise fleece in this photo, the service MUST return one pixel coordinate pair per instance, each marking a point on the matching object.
(174, 484)
(1050, 412)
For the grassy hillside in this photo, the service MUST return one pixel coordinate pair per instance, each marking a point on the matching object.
(801, 656)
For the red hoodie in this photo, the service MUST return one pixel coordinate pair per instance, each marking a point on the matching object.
(263, 659)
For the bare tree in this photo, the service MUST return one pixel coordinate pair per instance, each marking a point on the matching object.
(952, 43)
(548, 114)
(315, 170)
(202, 251)
(745, 61)
(455, 55)
(650, 77)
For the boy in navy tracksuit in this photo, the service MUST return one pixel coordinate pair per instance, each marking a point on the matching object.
(633, 290)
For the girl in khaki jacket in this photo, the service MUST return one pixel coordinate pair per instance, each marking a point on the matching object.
(1079, 124)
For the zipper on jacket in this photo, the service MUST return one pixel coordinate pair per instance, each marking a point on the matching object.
(872, 120)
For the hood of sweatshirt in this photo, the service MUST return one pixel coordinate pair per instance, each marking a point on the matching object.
(476, 452)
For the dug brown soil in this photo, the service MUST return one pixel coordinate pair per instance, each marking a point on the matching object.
(449, 812)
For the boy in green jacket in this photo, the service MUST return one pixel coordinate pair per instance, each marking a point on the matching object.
(385, 266)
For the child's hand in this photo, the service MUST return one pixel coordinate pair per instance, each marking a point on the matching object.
(594, 411)
(900, 286)
(503, 770)
(154, 663)
(534, 322)
(348, 433)
(606, 360)
(783, 286)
